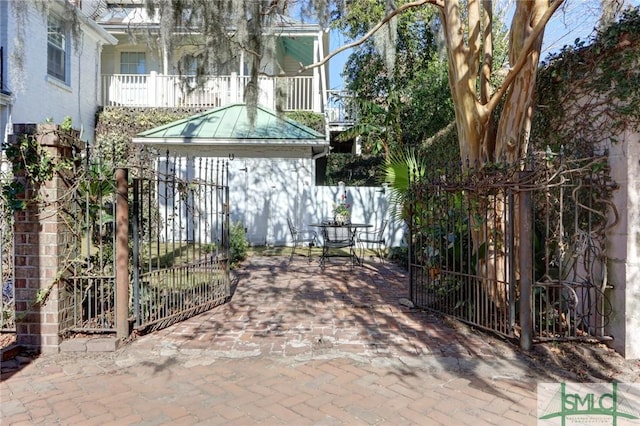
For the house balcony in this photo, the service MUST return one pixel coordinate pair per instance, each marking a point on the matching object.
(169, 91)
(341, 109)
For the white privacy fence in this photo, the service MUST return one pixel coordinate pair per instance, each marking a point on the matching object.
(264, 192)
(311, 205)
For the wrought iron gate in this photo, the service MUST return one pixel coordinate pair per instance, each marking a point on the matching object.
(8, 314)
(178, 243)
(180, 225)
(518, 253)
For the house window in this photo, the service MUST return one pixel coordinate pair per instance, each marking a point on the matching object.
(190, 64)
(57, 49)
(133, 63)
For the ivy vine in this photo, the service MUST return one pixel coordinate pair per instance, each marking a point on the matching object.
(32, 166)
(588, 93)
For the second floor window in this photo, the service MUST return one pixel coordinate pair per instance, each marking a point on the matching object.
(133, 63)
(56, 49)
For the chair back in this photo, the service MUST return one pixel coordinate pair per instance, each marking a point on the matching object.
(380, 234)
(292, 228)
(338, 234)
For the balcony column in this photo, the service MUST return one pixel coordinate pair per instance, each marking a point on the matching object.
(315, 89)
(233, 88)
(152, 85)
(322, 94)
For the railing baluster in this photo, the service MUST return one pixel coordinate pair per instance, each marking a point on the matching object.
(143, 90)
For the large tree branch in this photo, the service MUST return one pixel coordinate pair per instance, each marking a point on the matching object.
(487, 47)
(474, 38)
(372, 31)
(522, 59)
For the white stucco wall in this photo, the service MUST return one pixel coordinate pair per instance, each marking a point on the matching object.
(623, 246)
(36, 97)
(265, 191)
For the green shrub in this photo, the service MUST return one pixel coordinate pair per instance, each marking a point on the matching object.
(238, 243)
(400, 256)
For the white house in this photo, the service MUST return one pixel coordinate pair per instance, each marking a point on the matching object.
(139, 72)
(50, 64)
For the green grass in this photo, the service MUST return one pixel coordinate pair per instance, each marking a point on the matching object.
(181, 278)
(166, 255)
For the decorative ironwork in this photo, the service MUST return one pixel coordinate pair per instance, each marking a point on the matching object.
(469, 251)
(180, 240)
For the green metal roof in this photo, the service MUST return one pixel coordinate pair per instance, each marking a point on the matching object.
(232, 123)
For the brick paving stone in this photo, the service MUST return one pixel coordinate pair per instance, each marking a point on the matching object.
(493, 418)
(521, 418)
(125, 420)
(367, 415)
(413, 417)
(40, 412)
(78, 419)
(285, 414)
(65, 409)
(484, 394)
(17, 419)
(436, 416)
(424, 404)
(405, 391)
(312, 347)
(308, 413)
(335, 412)
(319, 400)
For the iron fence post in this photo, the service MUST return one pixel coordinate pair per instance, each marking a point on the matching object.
(512, 261)
(526, 267)
(135, 228)
(122, 254)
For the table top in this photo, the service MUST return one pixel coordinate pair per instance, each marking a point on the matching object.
(333, 224)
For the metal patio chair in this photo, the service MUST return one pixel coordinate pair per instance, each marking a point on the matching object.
(301, 238)
(373, 238)
(337, 238)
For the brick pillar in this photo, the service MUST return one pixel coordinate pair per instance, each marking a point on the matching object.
(42, 241)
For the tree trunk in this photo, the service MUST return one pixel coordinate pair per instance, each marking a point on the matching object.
(480, 141)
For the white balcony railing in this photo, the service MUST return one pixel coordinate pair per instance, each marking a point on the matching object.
(156, 90)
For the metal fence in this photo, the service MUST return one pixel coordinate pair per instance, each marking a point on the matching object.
(8, 314)
(178, 224)
(520, 253)
(180, 240)
(91, 286)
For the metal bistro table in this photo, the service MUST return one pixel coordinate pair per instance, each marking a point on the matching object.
(339, 236)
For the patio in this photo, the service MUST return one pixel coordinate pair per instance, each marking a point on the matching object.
(296, 309)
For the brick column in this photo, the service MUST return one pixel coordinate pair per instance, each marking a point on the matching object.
(42, 241)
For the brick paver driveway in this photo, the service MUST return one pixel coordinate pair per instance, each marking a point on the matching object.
(295, 345)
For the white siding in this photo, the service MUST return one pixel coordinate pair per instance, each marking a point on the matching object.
(38, 97)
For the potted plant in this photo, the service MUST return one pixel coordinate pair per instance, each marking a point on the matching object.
(341, 213)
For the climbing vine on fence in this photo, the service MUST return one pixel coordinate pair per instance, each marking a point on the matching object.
(31, 166)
